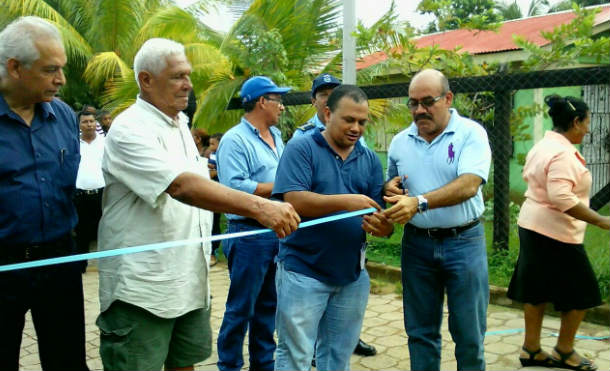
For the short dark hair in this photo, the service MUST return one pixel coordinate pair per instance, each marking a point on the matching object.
(191, 107)
(101, 114)
(249, 106)
(84, 113)
(89, 108)
(216, 136)
(563, 111)
(352, 91)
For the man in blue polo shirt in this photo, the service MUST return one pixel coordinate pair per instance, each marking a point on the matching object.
(436, 168)
(247, 157)
(322, 284)
(321, 88)
(39, 156)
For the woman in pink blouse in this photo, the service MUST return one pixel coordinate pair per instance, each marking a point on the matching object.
(553, 266)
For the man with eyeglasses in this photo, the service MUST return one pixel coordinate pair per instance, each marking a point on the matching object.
(247, 158)
(436, 168)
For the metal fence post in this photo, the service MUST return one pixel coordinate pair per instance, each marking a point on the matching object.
(502, 148)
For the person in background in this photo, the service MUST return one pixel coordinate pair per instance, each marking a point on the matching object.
(39, 155)
(202, 140)
(89, 183)
(91, 109)
(105, 120)
(210, 153)
(553, 266)
(248, 156)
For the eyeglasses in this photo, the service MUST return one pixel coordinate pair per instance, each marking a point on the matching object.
(277, 100)
(426, 102)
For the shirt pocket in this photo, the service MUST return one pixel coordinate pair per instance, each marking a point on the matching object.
(68, 169)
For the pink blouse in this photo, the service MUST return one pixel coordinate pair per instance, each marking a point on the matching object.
(557, 180)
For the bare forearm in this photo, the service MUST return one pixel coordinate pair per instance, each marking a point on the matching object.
(459, 190)
(194, 190)
(584, 213)
(313, 205)
(264, 190)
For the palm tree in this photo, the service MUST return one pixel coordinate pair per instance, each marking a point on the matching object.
(512, 10)
(567, 4)
(288, 40)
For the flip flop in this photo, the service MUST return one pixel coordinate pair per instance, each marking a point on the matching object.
(584, 365)
(532, 361)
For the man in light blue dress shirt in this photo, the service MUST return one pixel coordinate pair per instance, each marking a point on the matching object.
(247, 157)
(436, 168)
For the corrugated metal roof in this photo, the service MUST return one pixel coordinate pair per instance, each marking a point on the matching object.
(484, 42)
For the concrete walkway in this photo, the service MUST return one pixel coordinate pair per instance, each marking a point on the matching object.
(383, 327)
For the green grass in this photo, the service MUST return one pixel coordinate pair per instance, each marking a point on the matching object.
(502, 263)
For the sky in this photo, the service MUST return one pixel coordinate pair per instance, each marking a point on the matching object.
(368, 11)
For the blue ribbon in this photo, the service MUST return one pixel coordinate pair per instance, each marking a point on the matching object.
(165, 245)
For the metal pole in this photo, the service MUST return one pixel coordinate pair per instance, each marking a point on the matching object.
(349, 42)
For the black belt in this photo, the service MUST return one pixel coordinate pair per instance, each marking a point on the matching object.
(248, 221)
(442, 232)
(81, 192)
(44, 250)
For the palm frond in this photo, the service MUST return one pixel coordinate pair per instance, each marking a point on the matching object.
(104, 67)
(117, 22)
(170, 22)
(211, 112)
(206, 62)
(120, 94)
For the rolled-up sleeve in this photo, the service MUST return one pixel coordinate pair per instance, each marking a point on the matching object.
(233, 165)
(562, 175)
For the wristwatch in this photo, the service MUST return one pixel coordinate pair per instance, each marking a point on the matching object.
(422, 204)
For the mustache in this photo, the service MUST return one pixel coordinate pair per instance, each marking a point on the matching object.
(422, 116)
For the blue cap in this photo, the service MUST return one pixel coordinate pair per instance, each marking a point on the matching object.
(324, 80)
(258, 86)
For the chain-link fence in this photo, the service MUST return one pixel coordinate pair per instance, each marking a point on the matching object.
(511, 108)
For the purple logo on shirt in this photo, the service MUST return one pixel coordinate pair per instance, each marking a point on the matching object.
(450, 154)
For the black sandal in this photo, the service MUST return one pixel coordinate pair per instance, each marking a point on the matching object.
(532, 361)
(584, 365)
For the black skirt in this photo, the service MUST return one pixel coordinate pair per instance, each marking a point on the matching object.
(551, 271)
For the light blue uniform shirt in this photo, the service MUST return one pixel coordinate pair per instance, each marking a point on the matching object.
(314, 123)
(244, 159)
(462, 148)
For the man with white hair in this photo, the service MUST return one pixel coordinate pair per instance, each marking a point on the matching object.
(155, 305)
(39, 156)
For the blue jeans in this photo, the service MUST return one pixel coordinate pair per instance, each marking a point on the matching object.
(429, 267)
(251, 300)
(308, 310)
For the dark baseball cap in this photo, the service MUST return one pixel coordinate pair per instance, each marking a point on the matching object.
(325, 80)
(258, 86)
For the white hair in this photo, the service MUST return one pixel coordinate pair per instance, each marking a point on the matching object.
(152, 56)
(18, 40)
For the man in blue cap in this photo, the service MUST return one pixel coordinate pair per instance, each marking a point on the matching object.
(321, 88)
(247, 158)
